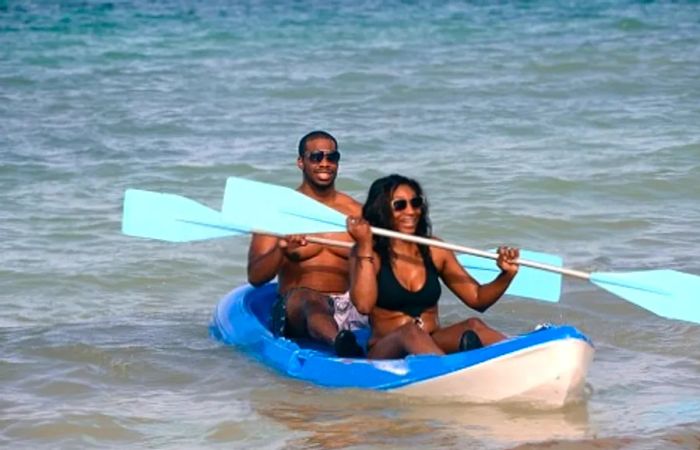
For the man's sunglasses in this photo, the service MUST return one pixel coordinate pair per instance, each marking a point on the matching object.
(317, 156)
(401, 204)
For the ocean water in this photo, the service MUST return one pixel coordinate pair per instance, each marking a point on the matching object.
(566, 127)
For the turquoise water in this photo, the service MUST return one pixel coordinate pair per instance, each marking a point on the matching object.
(570, 128)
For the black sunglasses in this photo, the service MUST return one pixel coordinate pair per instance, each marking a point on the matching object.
(401, 204)
(317, 156)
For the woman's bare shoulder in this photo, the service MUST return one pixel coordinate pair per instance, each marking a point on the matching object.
(439, 254)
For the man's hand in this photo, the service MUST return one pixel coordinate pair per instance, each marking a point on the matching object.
(292, 242)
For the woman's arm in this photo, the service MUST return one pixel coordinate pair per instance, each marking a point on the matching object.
(364, 264)
(477, 296)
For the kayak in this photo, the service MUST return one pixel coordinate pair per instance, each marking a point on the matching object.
(547, 366)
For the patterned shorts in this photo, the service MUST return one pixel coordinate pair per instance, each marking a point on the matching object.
(345, 314)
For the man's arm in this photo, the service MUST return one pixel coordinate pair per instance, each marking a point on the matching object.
(264, 259)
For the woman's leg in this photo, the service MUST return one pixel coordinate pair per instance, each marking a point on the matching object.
(448, 338)
(409, 339)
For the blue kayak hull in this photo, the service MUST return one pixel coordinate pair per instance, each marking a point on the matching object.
(548, 366)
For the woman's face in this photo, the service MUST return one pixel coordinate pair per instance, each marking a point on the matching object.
(406, 209)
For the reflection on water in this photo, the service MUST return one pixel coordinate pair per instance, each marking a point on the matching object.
(338, 419)
(686, 437)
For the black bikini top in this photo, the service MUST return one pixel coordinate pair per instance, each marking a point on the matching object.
(393, 296)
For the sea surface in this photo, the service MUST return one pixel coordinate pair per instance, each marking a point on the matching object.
(571, 128)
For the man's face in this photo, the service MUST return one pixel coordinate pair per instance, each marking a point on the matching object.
(319, 164)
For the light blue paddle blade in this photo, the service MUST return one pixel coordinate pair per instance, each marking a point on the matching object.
(529, 282)
(668, 293)
(172, 218)
(277, 209)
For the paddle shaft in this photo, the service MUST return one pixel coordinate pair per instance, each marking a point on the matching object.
(476, 252)
(314, 239)
(441, 244)
(645, 289)
(445, 245)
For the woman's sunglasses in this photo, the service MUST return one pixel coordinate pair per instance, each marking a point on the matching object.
(317, 156)
(401, 204)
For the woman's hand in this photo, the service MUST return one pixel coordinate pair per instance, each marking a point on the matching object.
(507, 257)
(360, 231)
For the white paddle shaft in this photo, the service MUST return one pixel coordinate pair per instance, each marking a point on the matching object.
(441, 244)
(476, 252)
(314, 239)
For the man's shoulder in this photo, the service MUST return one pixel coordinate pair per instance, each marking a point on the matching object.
(350, 204)
(346, 198)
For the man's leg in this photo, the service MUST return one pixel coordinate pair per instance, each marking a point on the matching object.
(309, 314)
(320, 323)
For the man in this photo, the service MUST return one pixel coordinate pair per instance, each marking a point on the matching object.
(313, 279)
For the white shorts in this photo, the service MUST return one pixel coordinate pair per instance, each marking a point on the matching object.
(345, 314)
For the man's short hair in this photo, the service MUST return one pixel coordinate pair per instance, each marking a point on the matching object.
(313, 135)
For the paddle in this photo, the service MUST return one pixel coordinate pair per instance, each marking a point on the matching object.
(287, 211)
(531, 283)
(174, 218)
(668, 293)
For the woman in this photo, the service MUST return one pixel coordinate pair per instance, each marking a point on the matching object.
(397, 282)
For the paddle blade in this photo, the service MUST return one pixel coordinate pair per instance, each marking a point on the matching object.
(529, 282)
(172, 218)
(277, 209)
(668, 293)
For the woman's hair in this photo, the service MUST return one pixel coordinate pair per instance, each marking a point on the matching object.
(378, 212)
